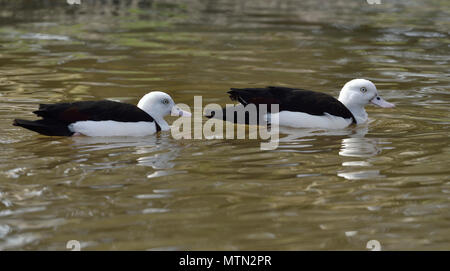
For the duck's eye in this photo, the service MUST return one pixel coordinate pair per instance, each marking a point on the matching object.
(165, 101)
(363, 89)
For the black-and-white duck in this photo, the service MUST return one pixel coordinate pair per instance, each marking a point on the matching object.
(301, 108)
(104, 118)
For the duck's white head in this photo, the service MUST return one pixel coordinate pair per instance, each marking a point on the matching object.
(357, 93)
(158, 105)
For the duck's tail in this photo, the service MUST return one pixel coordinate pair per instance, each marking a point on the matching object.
(45, 127)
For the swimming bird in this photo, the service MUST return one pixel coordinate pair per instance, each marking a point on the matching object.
(300, 108)
(104, 118)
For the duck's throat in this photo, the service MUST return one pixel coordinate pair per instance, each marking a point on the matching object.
(359, 113)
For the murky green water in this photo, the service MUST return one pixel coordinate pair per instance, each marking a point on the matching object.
(386, 181)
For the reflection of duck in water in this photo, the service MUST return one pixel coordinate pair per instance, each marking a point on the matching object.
(357, 145)
(152, 151)
(353, 145)
(158, 153)
(299, 108)
(104, 118)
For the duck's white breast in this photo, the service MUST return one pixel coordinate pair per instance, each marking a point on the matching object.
(304, 120)
(113, 128)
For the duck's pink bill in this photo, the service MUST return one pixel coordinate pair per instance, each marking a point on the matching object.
(381, 102)
(176, 111)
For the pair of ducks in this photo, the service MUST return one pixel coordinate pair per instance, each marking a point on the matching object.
(298, 108)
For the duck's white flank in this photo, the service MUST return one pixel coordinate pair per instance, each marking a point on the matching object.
(113, 128)
(304, 120)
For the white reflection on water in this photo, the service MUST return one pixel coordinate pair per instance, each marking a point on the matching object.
(357, 145)
(160, 160)
(157, 152)
(361, 175)
(18, 240)
(293, 134)
(87, 143)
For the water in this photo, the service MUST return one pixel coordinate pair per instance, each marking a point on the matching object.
(386, 181)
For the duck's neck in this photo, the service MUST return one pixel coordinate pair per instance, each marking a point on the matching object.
(358, 112)
(158, 118)
(162, 123)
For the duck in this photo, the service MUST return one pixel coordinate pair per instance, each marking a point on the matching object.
(105, 117)
(301, 108)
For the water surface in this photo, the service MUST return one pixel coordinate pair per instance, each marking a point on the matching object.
(323, 190)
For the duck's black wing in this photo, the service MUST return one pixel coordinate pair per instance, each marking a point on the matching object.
(92, 110)
(292, 99)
